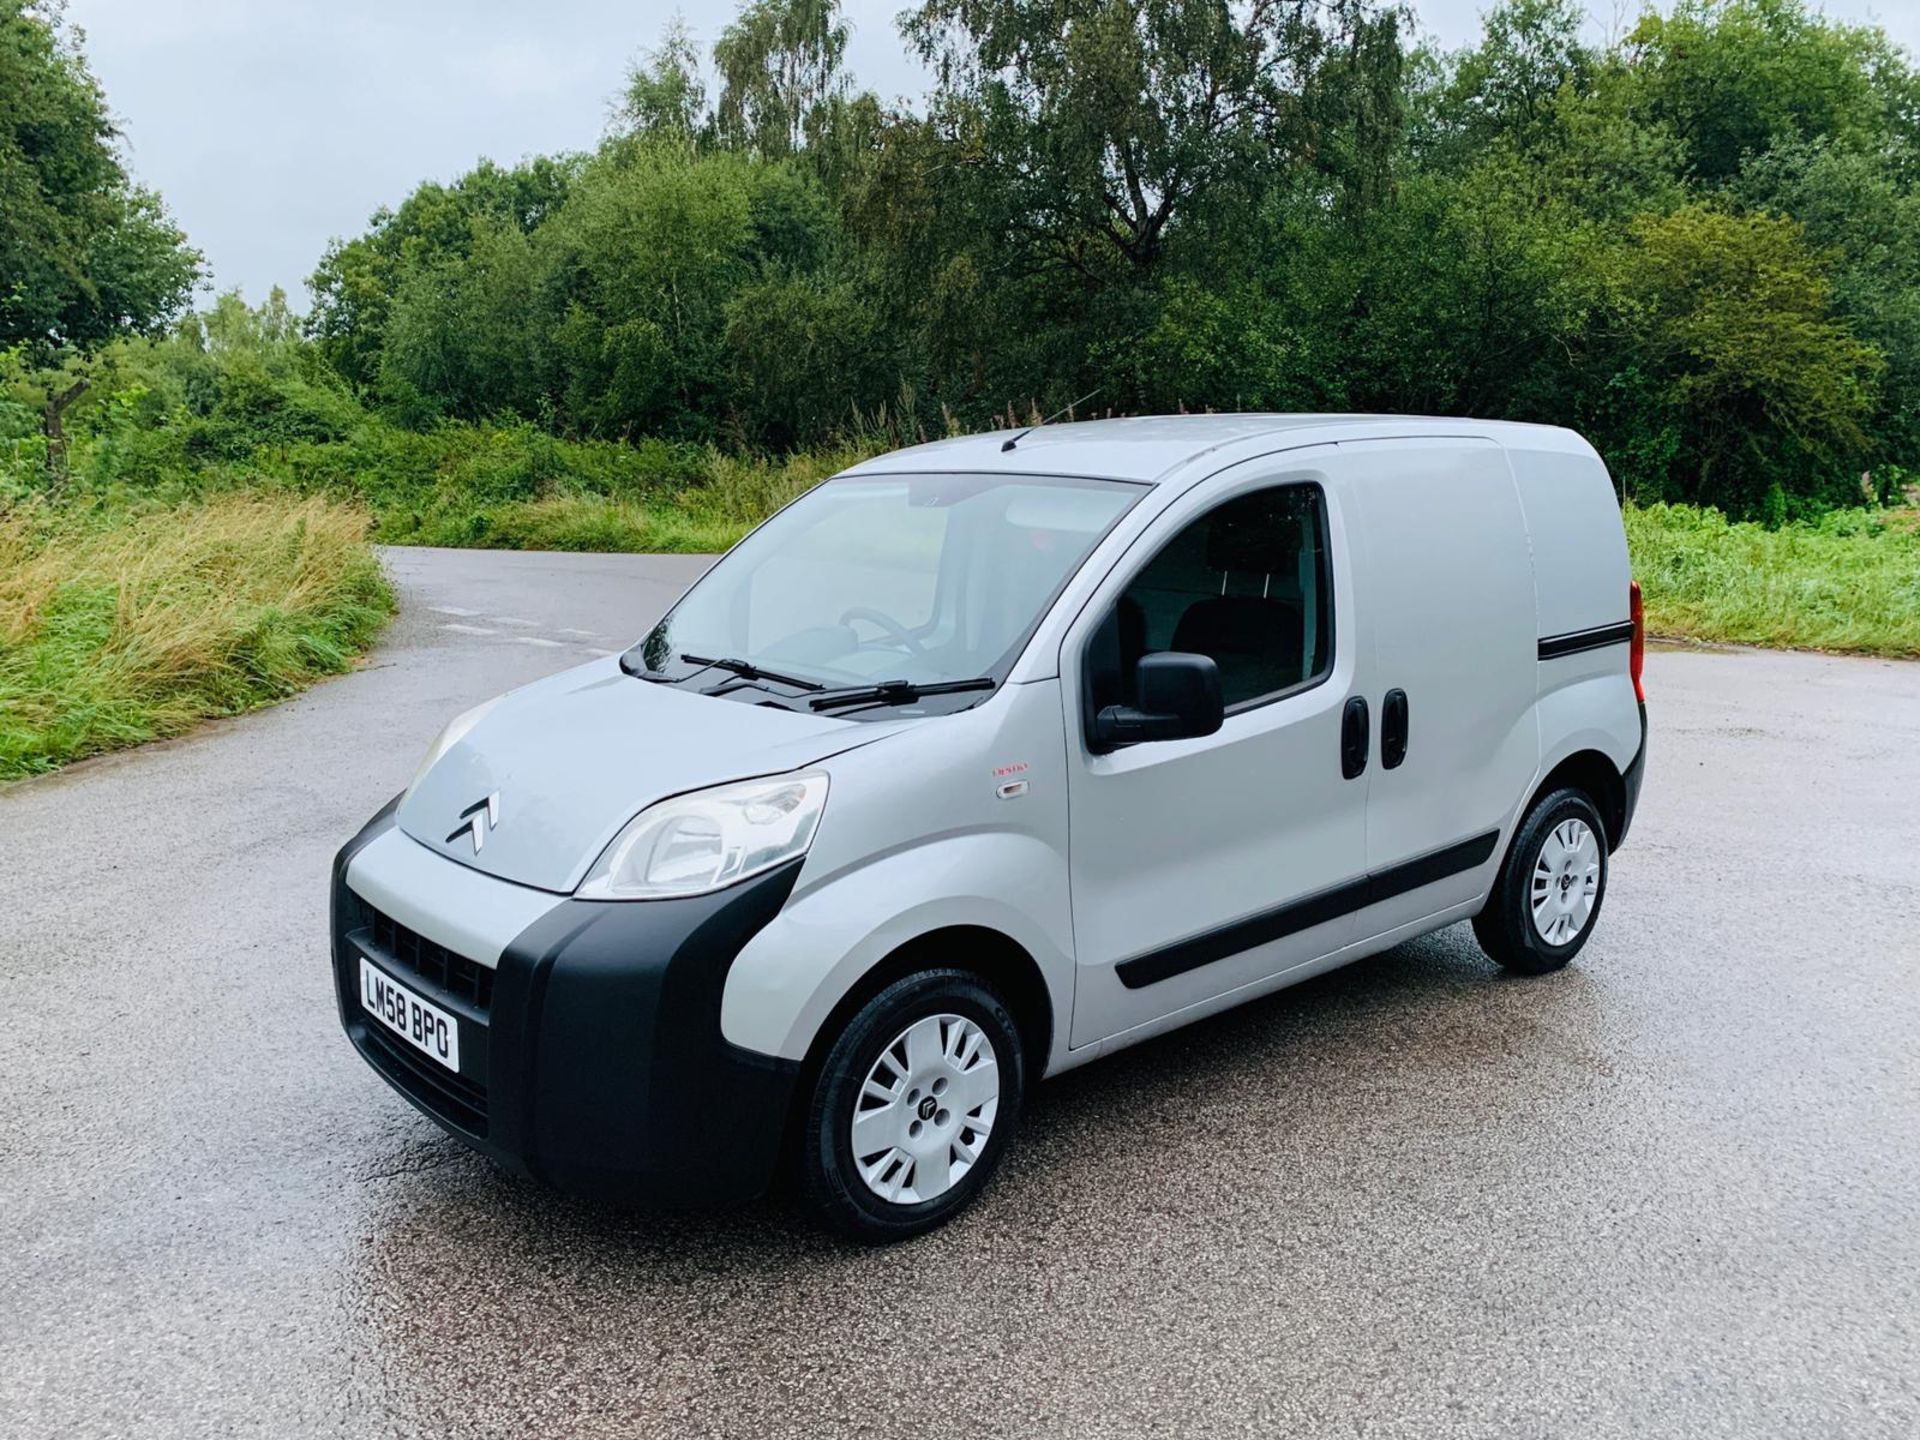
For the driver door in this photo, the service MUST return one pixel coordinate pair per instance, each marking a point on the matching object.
(1200, 866)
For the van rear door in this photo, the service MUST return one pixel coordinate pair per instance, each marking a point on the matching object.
(1441, 560)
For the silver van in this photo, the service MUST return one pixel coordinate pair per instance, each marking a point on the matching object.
(987, 758)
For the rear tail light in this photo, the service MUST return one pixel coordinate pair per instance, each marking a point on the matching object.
(1637, 654)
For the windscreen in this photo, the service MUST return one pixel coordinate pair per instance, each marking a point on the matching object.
(922, 578)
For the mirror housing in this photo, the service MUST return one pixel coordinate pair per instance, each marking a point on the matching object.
(1176, 697)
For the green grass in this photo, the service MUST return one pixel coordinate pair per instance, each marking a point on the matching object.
(121, 626)
(1850, 582)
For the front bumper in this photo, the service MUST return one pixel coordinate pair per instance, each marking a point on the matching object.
(590, 1055)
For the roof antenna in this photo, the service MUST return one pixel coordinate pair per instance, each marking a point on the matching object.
(1013, 440)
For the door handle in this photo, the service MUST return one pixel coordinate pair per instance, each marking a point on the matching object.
(1353, 737)
(1393, 728)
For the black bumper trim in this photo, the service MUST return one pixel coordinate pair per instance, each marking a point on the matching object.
(1635, 772)
(451, 1099)
(605, 1072)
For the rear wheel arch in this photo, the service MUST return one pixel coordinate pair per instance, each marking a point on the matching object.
(1593, 773)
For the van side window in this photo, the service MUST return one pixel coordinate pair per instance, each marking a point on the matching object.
(1247, 584)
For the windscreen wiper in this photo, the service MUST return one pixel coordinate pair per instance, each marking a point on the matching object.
(896, 692)
(747, 670)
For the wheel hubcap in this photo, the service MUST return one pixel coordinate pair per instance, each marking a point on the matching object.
(1566, 881)
(926, 1109)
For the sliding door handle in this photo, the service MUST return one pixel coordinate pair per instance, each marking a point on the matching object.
(1393, 728)
(1354, 738)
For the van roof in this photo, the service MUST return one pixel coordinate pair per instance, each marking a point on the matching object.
(1152, 448)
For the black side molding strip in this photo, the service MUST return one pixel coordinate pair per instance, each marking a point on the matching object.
(1304, 913)
(1552, 647)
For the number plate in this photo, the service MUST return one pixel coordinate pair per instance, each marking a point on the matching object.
(427, 1028)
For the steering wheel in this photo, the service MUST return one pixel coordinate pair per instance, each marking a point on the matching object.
(895, 630)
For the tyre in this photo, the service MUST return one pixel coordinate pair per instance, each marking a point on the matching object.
(912, 1108)
(1547, 895)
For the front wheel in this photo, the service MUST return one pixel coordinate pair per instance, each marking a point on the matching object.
(913, 1107)
(1547, 896)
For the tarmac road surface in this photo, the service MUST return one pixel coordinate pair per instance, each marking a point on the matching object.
(1674, 1190)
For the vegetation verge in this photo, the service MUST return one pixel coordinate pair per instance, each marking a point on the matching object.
(119, 626)
(1848, 582)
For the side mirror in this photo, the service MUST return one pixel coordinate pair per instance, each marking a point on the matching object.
(1177, 697)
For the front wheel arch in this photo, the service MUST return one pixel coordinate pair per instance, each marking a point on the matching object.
(995, 957)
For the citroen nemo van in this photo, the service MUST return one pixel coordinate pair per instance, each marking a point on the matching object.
(987, 758)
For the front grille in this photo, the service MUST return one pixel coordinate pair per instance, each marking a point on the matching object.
(454, 1098)
(453, 974)
(458, 1099)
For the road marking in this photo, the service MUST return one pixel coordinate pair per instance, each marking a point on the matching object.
(536, 640)
(583, 634)
(469, 629)
(451, 610)
(514, 620)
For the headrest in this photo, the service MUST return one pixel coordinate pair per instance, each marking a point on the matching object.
(1260, 533)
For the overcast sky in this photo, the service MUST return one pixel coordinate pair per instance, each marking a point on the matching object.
(272, 125)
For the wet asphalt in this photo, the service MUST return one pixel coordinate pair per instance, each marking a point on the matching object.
(1674, 1190)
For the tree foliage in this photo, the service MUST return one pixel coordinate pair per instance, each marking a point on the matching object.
(1732, 78)
(1730, 317)
(666, 92)
(1694, 244)
(779, 64)
(85, 254)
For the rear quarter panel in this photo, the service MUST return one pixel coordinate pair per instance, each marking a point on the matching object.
(1579, 546)
(1581, 576)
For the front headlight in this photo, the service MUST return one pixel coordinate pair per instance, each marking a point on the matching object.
(456, 731)
(695, 843)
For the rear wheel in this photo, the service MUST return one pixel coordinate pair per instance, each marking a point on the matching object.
(1547, 896)
(913, 1107)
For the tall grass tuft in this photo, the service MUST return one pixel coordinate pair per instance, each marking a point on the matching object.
(118, 627)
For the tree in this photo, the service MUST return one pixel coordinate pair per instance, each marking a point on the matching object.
(1574, 117)
(666, 92)
(86, 255)
(802, 352)
(1104, 124)
(1733, 77)
(779, 64)
(1696, 245)
(357, 280)
(1863, 211)
(1507, 88)
(467, 335)
(1730, 316)
(639, 269)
